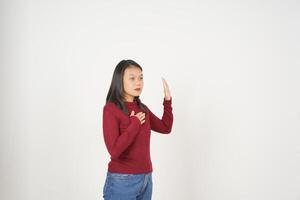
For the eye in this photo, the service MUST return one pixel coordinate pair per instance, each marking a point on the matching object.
(141, 78)
(131, 78)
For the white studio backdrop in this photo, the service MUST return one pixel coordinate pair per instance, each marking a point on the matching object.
(233, 68)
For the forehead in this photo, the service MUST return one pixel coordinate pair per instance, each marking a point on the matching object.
(135, 71)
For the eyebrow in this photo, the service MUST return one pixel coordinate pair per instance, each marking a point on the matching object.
(134, 74)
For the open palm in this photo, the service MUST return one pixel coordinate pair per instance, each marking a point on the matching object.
(167, 92)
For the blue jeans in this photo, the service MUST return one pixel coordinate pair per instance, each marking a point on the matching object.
(127, 186)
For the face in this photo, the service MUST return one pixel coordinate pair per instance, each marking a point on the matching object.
(133, 82)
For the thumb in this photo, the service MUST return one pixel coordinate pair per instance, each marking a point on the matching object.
(132, 113)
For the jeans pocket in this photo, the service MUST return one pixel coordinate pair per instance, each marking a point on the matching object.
(106, 187)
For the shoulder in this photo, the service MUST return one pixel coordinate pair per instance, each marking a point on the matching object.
(111, 112)
(110, 107)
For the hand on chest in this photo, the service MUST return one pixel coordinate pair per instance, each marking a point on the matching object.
(125, 121)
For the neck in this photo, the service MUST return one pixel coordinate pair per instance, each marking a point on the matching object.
(129, 99)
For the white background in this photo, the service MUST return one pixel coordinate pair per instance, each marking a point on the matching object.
(233, 69)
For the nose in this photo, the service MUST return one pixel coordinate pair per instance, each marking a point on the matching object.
(138, 82)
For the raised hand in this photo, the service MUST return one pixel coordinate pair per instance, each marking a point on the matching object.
(167, 92)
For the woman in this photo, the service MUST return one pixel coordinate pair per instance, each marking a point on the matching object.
(127, 125)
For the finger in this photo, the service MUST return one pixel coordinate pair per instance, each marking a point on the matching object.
(139, 113)
(139, 117)
(166, 85)
(164, 82)
(132, 113)
(142, 116)
(166, 88)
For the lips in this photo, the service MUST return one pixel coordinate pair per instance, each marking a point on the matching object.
(137, 89)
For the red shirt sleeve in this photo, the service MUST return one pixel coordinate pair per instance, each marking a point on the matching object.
(116, 142)
(163, 125)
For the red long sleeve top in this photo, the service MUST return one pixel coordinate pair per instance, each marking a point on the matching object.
(128, 141)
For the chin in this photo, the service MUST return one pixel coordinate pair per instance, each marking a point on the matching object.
(136, 92)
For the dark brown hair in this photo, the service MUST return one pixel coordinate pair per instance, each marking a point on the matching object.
(116, 89)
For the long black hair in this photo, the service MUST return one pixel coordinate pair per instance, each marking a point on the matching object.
(116, 92)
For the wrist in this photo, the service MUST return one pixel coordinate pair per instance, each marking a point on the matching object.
(167, 98)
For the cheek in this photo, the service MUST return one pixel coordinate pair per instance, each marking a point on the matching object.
(127, 85)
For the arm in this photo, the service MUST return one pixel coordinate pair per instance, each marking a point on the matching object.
(163, 125)
(116, 143)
